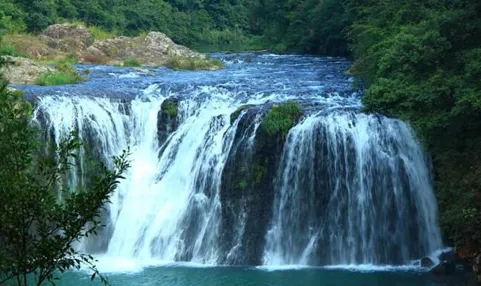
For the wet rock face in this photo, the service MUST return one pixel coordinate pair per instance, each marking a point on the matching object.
(167, 119)
(248, 189)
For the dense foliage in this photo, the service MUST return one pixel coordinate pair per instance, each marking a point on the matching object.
(40, 217)
(305, 26)
(186, 21)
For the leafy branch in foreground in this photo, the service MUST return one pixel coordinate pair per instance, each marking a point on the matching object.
(37, 229)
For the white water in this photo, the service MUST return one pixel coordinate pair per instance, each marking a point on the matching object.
(370, 171)
(169, 207)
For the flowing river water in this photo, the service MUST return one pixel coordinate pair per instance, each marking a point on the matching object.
(344, 198)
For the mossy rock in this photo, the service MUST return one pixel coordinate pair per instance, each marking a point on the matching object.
(170, 108)
(236, 114)
(167, 121)
(281, 118)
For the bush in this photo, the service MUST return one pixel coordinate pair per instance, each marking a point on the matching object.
(101, 34)
(194, 63)
(65, 74)
(131, 62)
(281, 118)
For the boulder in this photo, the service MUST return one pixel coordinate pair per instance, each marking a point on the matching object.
(67, 37)
(451, 264)
(426, 262)
(23, 71)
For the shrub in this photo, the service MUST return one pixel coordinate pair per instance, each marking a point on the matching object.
(65, 74)
(101, 34)
(131, 62)
(194, 63)
(281, 118)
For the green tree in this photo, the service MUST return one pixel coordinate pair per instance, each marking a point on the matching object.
(37, 229)
(11, 18)
(39, 13)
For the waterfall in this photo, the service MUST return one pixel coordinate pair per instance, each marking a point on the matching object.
(352, 189)
(340, 188)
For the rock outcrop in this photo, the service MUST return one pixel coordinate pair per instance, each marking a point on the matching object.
(248, 184)
(70, 38)
(23, 71)
(154, 49)
(61, 40)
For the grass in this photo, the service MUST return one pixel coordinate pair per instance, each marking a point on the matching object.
(194, 63)
(24, 45)
(281, 118)
(131, 62)
(10, 50)
(98, 33)
(65, 74)
(70, 59)
(101, 34)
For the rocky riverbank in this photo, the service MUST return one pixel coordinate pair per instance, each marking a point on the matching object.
(33, 54)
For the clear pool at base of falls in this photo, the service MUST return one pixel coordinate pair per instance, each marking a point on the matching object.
(248, 276)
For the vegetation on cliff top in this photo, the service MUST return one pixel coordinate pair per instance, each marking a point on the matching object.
(170, 108)
(281, 118)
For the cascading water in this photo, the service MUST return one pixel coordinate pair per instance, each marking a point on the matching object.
(344, 188)
(352, 189)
